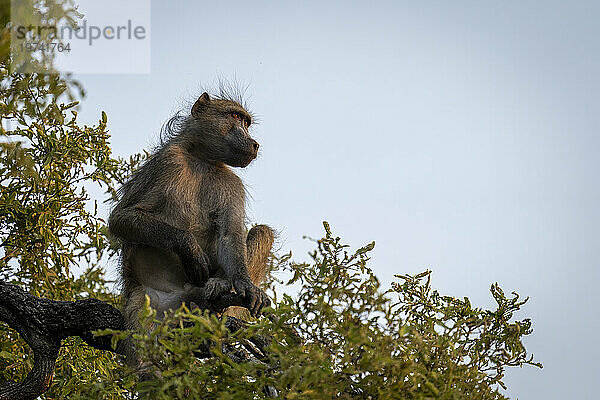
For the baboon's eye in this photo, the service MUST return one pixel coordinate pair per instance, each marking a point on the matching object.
(239, 117)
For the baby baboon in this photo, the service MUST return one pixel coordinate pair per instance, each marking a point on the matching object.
(181, 216)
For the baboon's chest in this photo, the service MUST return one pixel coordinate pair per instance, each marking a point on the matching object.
(216, 197)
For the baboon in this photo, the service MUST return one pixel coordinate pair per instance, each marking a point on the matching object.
(181, 216)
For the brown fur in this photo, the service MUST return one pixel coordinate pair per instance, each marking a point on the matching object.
(181, 216)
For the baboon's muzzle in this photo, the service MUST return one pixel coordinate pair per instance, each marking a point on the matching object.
(244, 156)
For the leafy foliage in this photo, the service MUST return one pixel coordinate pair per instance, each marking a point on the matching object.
(48, 224)
(341, 336)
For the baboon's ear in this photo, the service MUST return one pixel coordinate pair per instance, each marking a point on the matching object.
(202, 101)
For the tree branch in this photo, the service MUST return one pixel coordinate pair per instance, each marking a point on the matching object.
(43, 323)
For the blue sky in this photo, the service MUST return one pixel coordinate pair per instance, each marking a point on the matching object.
(460, 136)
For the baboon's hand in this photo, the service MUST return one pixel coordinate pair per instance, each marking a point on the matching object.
(200, 267)
(196, 265)
(257, 299)
(216, 287)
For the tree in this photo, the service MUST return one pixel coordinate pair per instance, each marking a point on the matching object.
(48, 226)
(341, 336)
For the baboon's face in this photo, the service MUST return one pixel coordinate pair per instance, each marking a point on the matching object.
(241, 148)
(227, 134)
